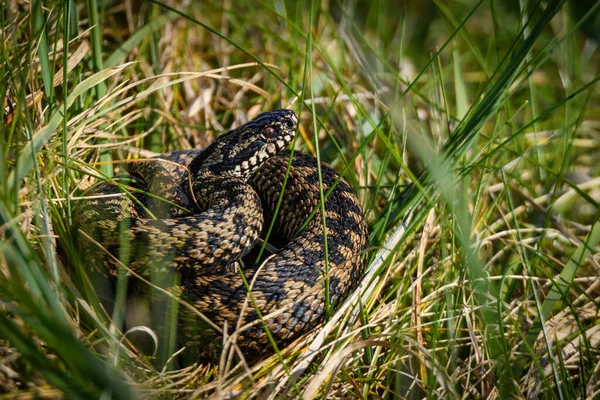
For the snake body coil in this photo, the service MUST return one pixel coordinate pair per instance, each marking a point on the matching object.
(211, 208)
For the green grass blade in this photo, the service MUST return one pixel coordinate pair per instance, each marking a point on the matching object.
(40, 138)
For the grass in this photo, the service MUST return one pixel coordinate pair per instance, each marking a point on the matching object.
(469, 130)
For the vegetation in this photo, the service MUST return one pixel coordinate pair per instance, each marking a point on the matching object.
(470, 131)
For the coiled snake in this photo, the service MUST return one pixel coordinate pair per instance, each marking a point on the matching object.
(207, 210)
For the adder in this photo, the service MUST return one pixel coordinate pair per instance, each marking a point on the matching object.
(199, 212)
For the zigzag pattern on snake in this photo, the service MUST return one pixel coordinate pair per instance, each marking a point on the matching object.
(206, 211)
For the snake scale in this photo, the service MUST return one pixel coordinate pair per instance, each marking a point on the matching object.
(198, 212)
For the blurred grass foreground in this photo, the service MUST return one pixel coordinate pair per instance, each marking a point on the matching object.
(470, 131)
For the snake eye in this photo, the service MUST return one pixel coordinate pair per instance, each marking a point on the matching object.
(269, 132)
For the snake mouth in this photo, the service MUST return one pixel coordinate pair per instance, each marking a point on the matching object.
(268, 150)
(291, 121)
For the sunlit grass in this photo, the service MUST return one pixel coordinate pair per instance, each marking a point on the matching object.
(470, 132)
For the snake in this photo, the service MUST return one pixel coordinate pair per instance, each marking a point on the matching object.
(201, 213)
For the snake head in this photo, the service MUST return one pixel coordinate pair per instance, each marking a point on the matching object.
(242, 151)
